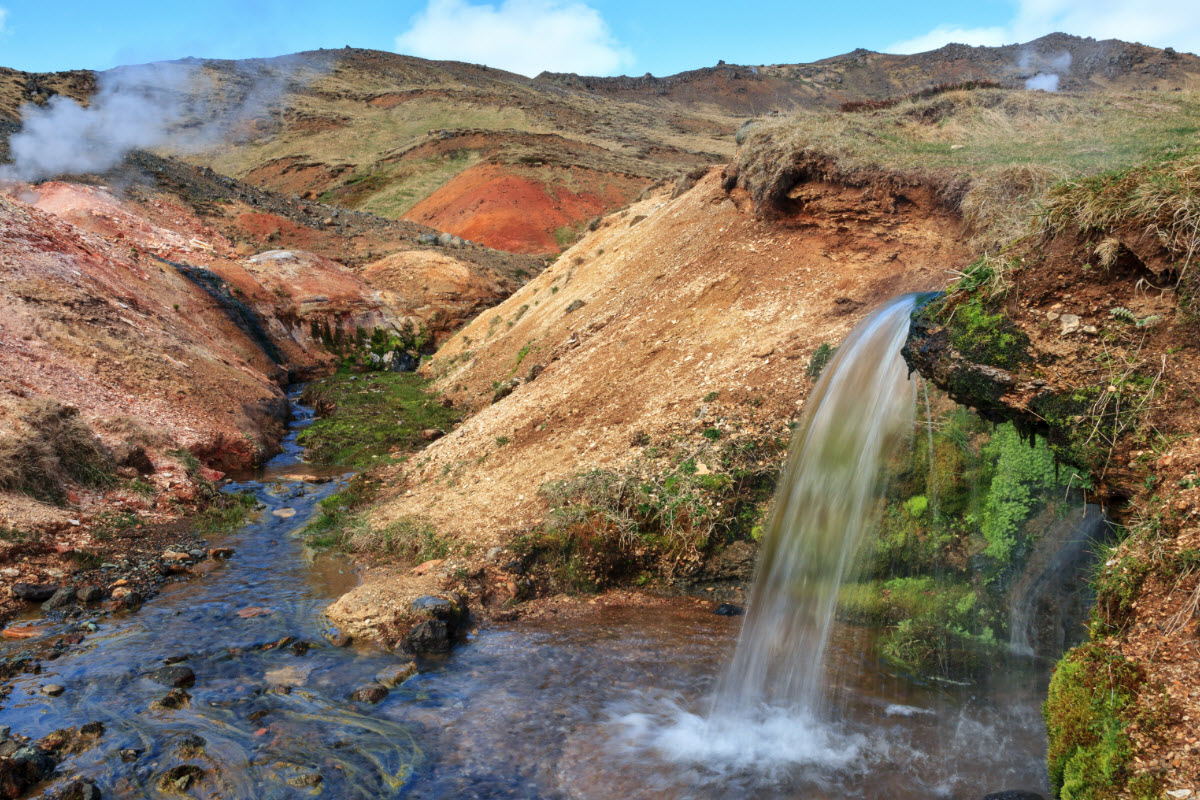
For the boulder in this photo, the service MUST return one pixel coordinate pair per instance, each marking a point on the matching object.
(430, 637)
(90, 594)
(34, 592)
(63, 596)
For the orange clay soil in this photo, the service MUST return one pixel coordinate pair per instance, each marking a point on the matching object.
(635, 328)
(520, 208)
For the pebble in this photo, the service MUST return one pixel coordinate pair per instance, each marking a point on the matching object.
(176, 676)
(53, 689)
(370, 693)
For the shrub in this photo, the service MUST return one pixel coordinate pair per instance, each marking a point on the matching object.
(55, 447)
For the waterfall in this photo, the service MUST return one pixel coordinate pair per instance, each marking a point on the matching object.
(860, 414)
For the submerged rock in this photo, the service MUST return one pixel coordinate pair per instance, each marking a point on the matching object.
(370, 693)
(176, 676)
(80, 790)
(729, 610)
(53, 689)
(394, 676)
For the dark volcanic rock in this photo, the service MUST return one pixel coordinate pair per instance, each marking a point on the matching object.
(176, 676)
(729, 610)
(63, 596)
(34, 592)
(370, 693)
(434, 606)
(80, 790)
(429, 637)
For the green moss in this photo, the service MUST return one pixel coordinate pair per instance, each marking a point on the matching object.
(985, 338)
(820, 357)
(1086, 710)
(371, 416)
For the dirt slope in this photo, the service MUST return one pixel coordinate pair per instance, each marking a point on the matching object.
(672, 318)
(383, 132)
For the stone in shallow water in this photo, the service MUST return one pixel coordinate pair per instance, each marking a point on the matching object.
(90, 594)
(394, 676)
(63, 596)
(176, 676)
(729, 610)
(428, 637)
(370, 693)
(53, 689)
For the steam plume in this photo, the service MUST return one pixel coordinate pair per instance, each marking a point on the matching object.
(1048, 70)
(178, 105)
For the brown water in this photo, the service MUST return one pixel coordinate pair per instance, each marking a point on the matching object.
(608, 705)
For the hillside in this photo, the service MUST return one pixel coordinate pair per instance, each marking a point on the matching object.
(460, 147)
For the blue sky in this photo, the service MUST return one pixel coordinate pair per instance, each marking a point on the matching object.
(587, 36)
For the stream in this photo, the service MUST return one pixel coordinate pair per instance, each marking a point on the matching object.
(605, 703)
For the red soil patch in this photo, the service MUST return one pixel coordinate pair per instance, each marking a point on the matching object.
(518, 208)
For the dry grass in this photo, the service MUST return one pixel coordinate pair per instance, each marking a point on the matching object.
(992, 153)
(55, 447)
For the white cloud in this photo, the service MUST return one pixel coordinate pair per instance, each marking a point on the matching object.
(1164, 23)
(944, 34)
(3, 18)
(523, 36)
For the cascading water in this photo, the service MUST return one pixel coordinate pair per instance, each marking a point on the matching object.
(859, 414)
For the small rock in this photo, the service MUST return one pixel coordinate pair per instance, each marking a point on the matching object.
(370, 693)
(92, 729)
(129, 754)
(80, 790)
(729, 610)
(303, 779)
(254, 611)
(421, 569)
(64, 596)
(284, 513)
(338, 639)
(177, 676)
(125, 595)
(221, 552)
(197, 555)
(53, 689)
(432, 434)
(434, 606)
(1070, 324)
(174, 555)
(34, 592)
(180, 778)
(176, 698)
(428, 637)
(394, 676)
(90, 594)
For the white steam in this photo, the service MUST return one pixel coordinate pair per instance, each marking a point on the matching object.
(1042, 83)
(1048, 70)
(176, 105)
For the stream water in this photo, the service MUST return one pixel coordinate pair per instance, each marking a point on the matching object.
(612, 703)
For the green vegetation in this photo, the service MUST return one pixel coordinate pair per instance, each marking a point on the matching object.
(224, 512)
(1090, 699)
(54, 446)
(954, 532)
(343, 525)
(819, 359)
(646, 523)
(369, 417)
